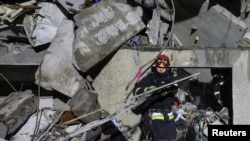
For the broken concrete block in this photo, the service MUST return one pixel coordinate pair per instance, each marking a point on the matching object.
(57, 71)
(16, 109)
(83, 103)
(102, 29)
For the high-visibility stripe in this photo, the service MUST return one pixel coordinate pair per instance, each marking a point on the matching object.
(149, 88)
(145, 90)
(164, 93)
(221, 83)
(171, 116)
(136, 95)
(157, 116)
(217, 92)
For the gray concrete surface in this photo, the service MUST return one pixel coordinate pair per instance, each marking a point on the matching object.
(216, 26)
(56, 71)
(102, 29)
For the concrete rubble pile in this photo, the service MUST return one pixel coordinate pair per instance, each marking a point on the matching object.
(76, 45)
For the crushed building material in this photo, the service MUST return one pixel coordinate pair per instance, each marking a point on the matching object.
(57, 67)
(11, 12)
(88, 100)
(86, 34)
(73, 6)
(35, 122)
(11, 107)
(13, 33)
(48, 20)
(100, 31)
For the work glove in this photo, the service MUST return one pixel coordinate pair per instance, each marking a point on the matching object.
(141, 90)
(220, 102)
(149, 88)
(173, 89)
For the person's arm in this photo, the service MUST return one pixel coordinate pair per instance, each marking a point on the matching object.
(143, 86)
(217, 94)
(217, 88)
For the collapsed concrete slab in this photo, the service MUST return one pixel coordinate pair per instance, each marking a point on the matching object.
(11, 107)
(19, 54)
(102, 28)
(56, 71)
(49, 19)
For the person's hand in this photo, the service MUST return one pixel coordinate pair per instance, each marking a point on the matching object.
(151, 88)
(220, 102)
(173, 89)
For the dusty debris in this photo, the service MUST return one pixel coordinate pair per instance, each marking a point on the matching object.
(36, 124)
(10, 109)
(73, 6)
(100, 31)
(245, 42)
(56, 71)
(15, 33)
(99, 40)
(153, 28)
(48, 21)
(88, 100)
(12, 12)
(68, 116)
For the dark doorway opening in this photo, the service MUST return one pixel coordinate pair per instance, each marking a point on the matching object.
(202, 88)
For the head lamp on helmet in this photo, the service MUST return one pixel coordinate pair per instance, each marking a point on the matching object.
(162, 61)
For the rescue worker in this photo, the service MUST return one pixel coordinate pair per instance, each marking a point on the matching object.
(158, 118)
(217, 83)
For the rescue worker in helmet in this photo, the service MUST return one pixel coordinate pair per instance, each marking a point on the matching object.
(218, 82)
(157, 114)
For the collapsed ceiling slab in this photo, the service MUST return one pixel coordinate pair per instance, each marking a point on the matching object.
(102, 28)
(56, 71)
(19, 54)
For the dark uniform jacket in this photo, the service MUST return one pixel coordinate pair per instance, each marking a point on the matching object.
(160, 99)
